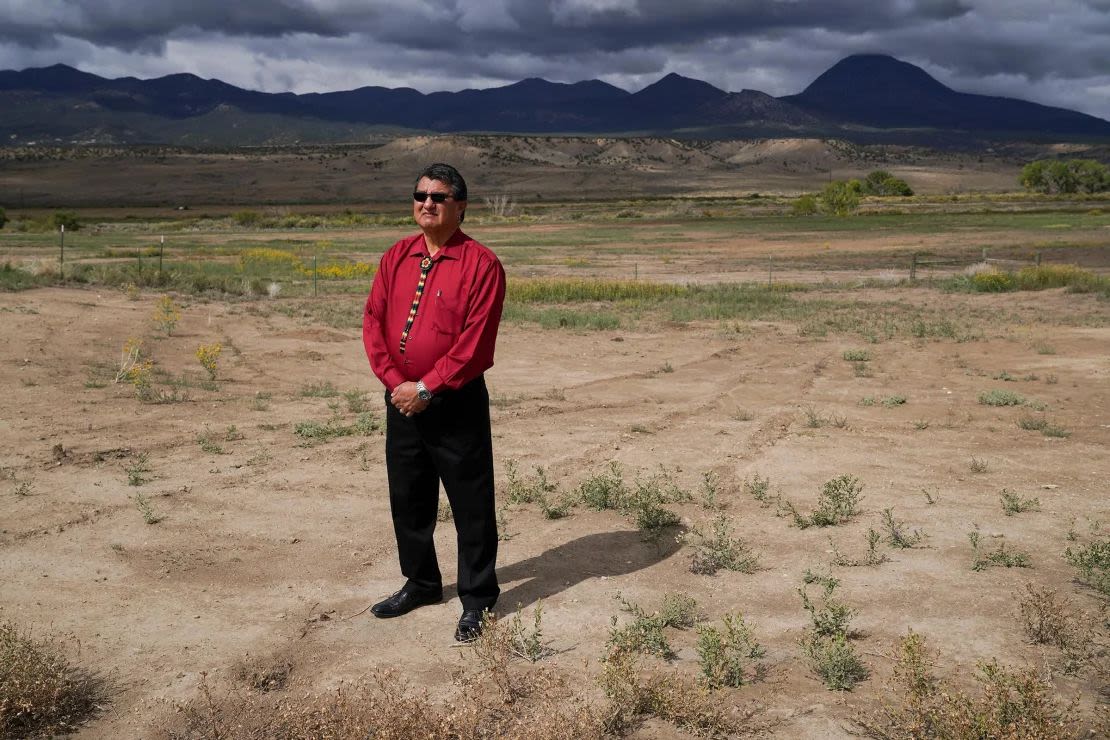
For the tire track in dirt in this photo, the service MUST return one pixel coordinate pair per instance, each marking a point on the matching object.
(699, 373)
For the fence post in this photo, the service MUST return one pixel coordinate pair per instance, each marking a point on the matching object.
(315, 291)
(1038, 259)
(984, 254)
(62, 253)
(913, 267)
(161, 249)
(770, 268)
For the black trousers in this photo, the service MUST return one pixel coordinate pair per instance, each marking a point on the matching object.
(449, 441)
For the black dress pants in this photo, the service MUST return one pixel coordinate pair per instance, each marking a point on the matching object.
(449, 441)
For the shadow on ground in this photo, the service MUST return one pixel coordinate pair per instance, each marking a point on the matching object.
(595, 555)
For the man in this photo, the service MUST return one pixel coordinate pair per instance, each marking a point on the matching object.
(429, 329)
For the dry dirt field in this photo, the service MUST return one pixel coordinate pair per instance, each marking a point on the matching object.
(241, 527)
(534, 169)
(270, 546)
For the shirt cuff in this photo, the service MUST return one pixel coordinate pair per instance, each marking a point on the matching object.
(393, 378)
(434, 382)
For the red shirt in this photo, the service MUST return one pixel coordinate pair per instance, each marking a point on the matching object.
(453, 335)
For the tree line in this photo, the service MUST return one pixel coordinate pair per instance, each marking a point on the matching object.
(1066, 176)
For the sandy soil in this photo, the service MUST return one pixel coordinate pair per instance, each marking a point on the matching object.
(275, 549)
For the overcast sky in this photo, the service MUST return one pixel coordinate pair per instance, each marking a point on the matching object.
(1055, 52)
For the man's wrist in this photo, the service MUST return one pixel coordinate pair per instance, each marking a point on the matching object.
(422, 391)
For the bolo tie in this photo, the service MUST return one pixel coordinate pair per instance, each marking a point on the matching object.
(425, 268)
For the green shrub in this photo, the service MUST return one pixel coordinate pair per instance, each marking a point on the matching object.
(882, 183)
(3, 217)
(725, 655)
(247, 218)
(998, 397)
(837, 503)
(605, 490)
(720, 551)
(804, 205)
(1093, 563)
(68, 219)
(839, 198)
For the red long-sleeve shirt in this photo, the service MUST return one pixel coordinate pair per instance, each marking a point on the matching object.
(452, 338)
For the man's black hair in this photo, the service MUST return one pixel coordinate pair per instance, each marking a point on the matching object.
(447, 174)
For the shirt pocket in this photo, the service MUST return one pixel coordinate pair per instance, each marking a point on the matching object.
(448, 313)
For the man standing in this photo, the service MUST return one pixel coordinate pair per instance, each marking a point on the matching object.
(429, 329)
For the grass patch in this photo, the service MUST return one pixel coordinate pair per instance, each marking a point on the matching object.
(14, 278)
(322, 389)
(1041, 277)
(313, 432)
(1000, 556)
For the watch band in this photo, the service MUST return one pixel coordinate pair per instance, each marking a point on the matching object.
(422, 391)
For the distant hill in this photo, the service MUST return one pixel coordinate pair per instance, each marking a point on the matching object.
(867, 97)
(883, 92)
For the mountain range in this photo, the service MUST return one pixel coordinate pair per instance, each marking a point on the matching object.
(861, 97)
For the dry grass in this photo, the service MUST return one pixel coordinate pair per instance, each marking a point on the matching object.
(42, 693)
(386, 707)
(1009, 703)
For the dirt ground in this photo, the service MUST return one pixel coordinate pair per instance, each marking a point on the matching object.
(273, 549)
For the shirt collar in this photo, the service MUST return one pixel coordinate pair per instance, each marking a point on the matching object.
(448, 251)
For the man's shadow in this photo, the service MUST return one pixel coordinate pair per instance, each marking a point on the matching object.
(592, 556)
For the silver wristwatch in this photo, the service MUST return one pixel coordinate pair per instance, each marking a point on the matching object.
(422, 391)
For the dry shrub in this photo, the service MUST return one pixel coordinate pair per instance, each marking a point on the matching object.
(384, 708)
(634, 695)
(498, 697)
(260, 674)
(1051, 620)
(1015, 704)
(41, 693)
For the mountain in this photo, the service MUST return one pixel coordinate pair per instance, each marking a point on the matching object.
(883, 92)
(861, 97)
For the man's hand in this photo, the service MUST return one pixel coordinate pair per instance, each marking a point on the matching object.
(406, 400)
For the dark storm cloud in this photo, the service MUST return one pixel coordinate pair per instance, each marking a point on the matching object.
(557, 26)
(146, 24)
(1052, 52)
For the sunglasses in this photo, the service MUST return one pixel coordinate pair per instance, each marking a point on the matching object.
(419, 196)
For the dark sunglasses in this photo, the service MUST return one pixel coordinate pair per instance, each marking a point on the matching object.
(420, 196)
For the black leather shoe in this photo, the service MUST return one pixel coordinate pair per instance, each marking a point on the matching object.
(404, 602)
(470, 625)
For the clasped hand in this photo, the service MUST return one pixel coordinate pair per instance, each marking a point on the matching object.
(406, 400)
